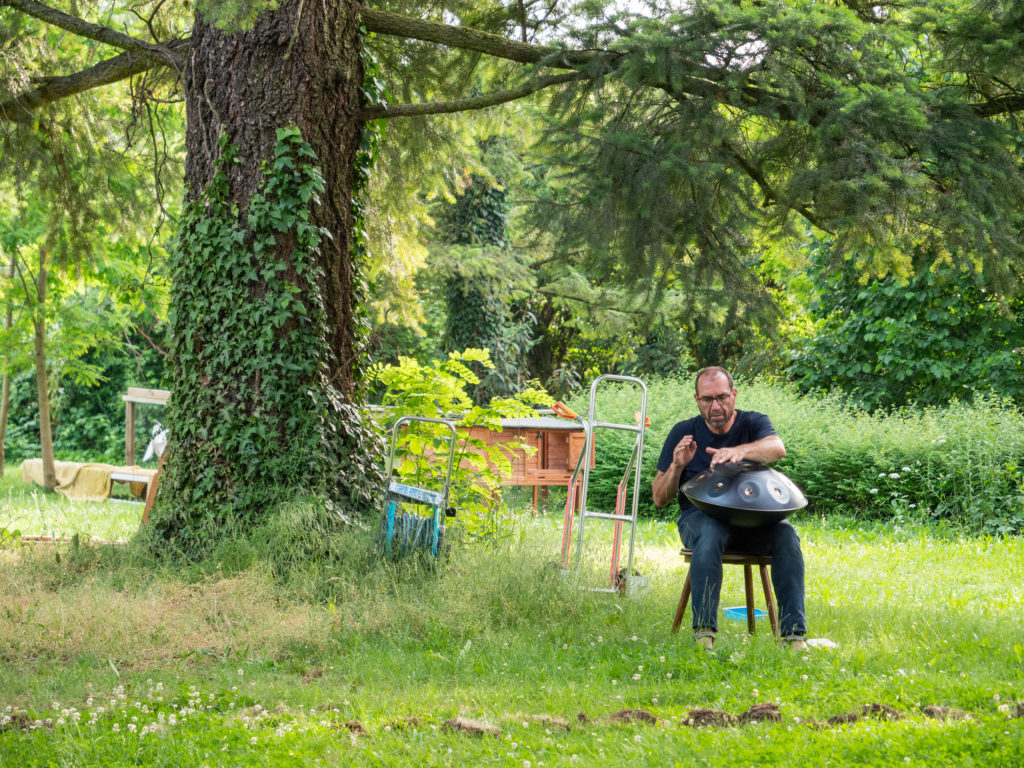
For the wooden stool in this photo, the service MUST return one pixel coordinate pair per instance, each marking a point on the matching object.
(746, 560)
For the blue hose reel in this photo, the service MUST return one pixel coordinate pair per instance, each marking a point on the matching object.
(413, 520)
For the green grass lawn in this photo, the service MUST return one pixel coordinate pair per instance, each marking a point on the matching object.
(33, 511)
(108, 661)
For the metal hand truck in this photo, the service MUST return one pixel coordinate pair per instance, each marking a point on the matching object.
(407, 532)
(626, 580)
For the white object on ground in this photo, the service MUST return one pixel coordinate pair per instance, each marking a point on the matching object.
(820, 642)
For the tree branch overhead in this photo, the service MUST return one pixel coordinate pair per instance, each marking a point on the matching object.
(163, 53)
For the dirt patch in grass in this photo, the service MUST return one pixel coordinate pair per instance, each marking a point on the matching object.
(634, 716)
(702, 718)
(875, 711)
(761, 713)
(944, 713)
(471, 727)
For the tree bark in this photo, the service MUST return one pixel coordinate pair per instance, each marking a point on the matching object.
(42, 382)
(238, 442)
(299, 66)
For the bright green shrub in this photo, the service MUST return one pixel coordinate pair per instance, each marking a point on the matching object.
(439, 391)
(927, 339)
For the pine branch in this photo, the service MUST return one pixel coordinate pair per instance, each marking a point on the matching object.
(50, 89)
(771, 195)
(1000, 106)
(47, 15)
(463, 105)
(467, 39)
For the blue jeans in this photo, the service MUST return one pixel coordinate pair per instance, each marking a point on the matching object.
(708, 538)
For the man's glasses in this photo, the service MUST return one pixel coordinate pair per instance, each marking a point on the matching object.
(720, 399)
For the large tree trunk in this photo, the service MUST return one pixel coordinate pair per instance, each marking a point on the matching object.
(299, 66)
(246, 394)
(42, 382)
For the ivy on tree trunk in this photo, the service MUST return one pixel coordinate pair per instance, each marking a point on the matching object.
(265, 389)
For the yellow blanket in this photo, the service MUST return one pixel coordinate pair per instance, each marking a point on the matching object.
(83, 482)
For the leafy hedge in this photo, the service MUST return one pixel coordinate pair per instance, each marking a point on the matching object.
(961, 465)
(88, 421)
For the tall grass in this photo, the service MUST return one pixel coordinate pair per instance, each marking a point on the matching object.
(163, 666)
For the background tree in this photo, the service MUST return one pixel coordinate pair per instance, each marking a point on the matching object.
(925, 339)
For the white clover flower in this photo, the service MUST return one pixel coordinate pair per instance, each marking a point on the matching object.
(873, 490)
(636, 676)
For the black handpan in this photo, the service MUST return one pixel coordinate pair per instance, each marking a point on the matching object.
(745, 494)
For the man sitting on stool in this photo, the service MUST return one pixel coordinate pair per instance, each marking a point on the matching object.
(723, 434)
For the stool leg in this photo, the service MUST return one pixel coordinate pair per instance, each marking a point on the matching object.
(748, 586)
(769, 600)
(684, 598)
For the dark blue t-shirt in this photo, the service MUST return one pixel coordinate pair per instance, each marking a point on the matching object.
(748, 427)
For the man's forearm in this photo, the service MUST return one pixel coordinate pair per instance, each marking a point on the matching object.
(665, 486)
(766, 450)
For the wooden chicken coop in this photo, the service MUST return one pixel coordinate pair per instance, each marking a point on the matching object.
(557, 445)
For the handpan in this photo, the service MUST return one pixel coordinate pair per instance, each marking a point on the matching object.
(745, 494)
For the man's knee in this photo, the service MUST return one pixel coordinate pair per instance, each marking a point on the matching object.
(786, 546)
(705, 536)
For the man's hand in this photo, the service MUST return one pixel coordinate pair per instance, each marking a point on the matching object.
(666, 484)
(684, 451)
(725, 455)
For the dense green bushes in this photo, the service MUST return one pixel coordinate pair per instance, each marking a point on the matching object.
(928, 338)
(962, 465)
(88, 421)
